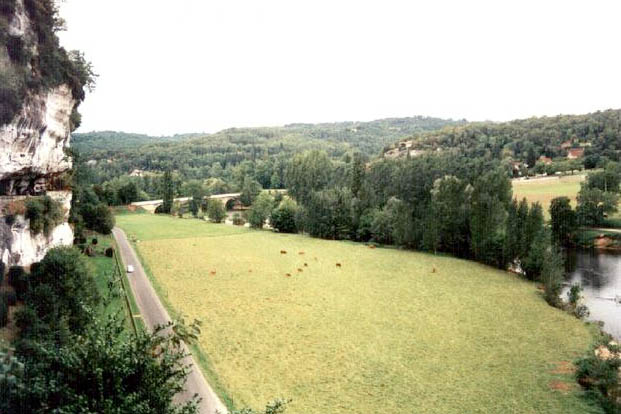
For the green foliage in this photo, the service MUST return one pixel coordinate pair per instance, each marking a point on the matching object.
(309, 172)
(598, 373)
(98, 217)
(562, 220)
(168, 192)
(276, 407)
(593, 203)
(44, 214)
(238, 220)
(283, 216)
(250, 191)
(328, 214)
(216, 211)
(62, 289)
(552, 276)
(260, 210)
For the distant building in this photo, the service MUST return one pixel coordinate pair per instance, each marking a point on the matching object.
(574, 153)
(566, 145)
(136, 173)
(545, 160)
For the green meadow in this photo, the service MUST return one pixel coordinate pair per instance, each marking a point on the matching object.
(341, 327)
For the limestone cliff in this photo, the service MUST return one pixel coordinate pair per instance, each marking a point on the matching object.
(36, 132)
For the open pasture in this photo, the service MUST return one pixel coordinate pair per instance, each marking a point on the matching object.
(545, 189)
(387, 331)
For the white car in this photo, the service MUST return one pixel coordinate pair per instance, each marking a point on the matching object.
(130, 269)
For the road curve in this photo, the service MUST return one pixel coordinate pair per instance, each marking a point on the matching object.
(153, 313)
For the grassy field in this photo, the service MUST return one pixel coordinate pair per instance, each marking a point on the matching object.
(544, 190)
(381, 333)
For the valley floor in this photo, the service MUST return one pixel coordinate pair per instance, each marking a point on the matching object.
(339, 327)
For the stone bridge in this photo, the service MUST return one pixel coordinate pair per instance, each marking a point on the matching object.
(227, 199)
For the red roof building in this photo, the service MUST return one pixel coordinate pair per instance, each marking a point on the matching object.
(574, 153)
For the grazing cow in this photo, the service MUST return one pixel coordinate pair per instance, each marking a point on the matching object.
(300, 270)
(371, 246)
(433, 269)
(300, 252)
(283, 252)
(213, 273)
(288, 274)
(338, 265)
(305, 264)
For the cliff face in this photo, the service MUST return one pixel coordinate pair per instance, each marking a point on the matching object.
(33, 161)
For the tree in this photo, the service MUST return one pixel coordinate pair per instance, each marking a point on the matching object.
(260, 210)
(250, 191)
(216, 211)
(593, 203)
(128, 193)
(98, 217)
(308, 173)
(357, 174)
(283, 216)
(168, 192)
(450, 198)
(62, 288)
(102, 371)
(490, 197)
(194, 189)
(563, 221)
(328, 214)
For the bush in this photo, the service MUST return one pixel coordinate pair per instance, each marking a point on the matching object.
(283, 217)
(98, 217)
(10, 297)
(94, 242)
(4, 312)
(44, 214)
(238, 220)
(110, 252)
(216, 211)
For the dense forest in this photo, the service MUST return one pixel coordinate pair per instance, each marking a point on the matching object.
(263, 151)
(526, 140)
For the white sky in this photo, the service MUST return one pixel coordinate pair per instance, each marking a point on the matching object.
(172, 66)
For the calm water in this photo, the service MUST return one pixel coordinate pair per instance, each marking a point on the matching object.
(599, 274)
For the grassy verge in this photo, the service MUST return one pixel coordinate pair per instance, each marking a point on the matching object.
(385, 330)
(201, 357)
(105, 270)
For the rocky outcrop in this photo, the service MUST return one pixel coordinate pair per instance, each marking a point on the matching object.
(33, 160)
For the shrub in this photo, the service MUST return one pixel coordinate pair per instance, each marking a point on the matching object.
(110, 252)
(4, 312)
(216, 211)
(94, 242)
(10, 297)
(44, 214)
(283, 217)
(98, 217)
(238, 220)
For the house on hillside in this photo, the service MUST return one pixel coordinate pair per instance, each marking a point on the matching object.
(566, 144)
(545, 160)
(575, 153)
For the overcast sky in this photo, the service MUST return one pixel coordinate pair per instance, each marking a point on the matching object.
(172, 66)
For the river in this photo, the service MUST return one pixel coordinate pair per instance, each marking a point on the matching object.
(599, 274)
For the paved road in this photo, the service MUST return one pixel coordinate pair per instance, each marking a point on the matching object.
(153, 313)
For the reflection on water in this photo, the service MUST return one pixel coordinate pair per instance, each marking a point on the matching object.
(599, 274)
